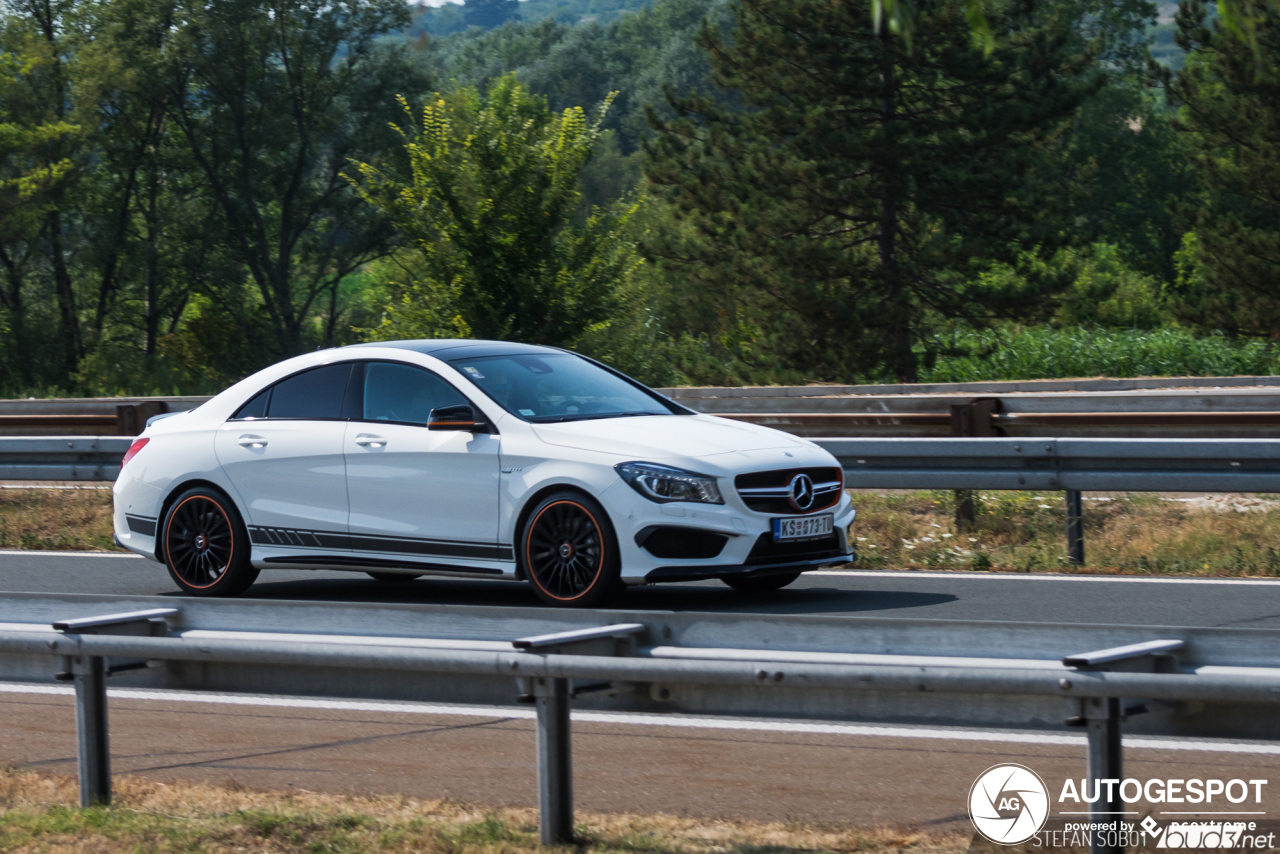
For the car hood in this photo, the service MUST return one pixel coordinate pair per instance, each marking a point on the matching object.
(666, 437)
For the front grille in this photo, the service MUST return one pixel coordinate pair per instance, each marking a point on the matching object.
(766, 551)
(770, 491)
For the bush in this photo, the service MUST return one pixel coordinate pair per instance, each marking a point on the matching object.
(1045, 353)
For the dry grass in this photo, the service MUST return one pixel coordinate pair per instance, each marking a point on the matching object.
(56, 519)
(38, 814)
(1025, 532)
(1015, 531)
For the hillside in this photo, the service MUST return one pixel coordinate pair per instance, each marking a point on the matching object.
(447, 19)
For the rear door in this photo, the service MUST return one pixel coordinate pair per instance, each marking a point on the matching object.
(283, 453)
(427, 494)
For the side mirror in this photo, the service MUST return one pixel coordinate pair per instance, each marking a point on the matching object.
(456, 418)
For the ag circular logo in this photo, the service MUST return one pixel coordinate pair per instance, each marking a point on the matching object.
(1008, 804)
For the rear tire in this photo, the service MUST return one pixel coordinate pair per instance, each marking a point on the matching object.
(206, 546)
(761, 583)
(569, 552)
(393, 577)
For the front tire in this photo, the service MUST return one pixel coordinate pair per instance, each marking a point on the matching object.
(206, 546)
(569, 553)
(761, 583)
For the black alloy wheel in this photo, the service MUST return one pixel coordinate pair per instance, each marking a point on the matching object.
(569, 552)
(206, 548)
(760, 583)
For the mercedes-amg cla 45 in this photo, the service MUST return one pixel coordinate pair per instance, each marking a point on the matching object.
(474, 459)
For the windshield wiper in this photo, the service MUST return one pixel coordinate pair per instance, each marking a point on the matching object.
(590, 416)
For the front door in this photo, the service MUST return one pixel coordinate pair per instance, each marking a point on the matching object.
(419, 494)
(283, 453)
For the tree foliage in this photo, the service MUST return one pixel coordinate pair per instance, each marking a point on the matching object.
(488, 14)
(485, 201)
(1229, 99)
(868, 183)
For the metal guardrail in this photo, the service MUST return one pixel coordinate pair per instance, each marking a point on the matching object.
(1069, 465)
(834, 668)
(90, 458)
(81, 416)
(1181, 407)
(1121, 465)
(1084, 384)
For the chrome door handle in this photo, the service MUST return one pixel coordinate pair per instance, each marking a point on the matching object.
(253, 442)
(367, 441)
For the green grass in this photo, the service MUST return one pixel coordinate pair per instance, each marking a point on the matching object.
(1047, 353)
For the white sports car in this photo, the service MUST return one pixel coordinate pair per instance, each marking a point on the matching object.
(474, 459)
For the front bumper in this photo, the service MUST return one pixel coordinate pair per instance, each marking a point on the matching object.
(703, 573)
(766, 558)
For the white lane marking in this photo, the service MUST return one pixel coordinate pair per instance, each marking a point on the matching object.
(16, 486)
(642, 719)
(64, 554)
(1022, 576)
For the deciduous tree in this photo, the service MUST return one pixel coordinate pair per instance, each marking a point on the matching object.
(485, 200)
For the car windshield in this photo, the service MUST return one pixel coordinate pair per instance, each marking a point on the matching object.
(554, 387)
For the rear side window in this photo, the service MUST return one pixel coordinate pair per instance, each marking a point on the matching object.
(313, 394)
(405, 394)
(256, 408)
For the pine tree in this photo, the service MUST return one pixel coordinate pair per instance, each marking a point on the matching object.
(869, 180)
(1229, 99)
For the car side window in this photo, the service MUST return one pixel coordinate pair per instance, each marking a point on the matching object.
(405, 394)
(255, 408)
(313, 394)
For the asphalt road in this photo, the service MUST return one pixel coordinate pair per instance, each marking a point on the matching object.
(843, 775)
(869, 775)
(958, 596)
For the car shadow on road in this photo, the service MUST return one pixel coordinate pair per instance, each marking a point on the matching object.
(661, 597)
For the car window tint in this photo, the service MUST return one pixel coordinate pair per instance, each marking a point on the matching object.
(313, 394)
(402, 393)
(558, 387)
(255, 408)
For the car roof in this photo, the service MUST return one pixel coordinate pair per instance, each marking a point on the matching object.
(450, 349)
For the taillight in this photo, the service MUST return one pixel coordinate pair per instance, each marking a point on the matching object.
(138, 445)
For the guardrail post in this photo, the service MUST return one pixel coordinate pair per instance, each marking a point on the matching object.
(90, 674)
(1102, 717)
(1075, 527)
(555, 766)
(972, 419)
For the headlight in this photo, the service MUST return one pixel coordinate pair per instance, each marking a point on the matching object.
(664, 483)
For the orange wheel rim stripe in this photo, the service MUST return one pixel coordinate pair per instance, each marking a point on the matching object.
(231, 531)
(528, 558)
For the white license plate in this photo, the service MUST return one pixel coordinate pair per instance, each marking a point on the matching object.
(802, 527)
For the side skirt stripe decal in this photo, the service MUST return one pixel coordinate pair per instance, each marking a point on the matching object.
(375, 563)
(265, 536)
